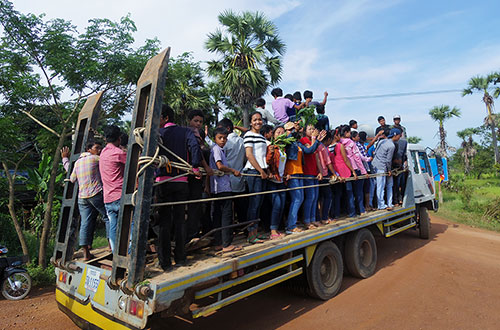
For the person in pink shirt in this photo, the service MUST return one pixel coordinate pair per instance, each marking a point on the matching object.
(325, 192)
(111, 166)
(356, 159)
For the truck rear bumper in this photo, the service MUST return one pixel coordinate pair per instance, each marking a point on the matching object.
(86, 317)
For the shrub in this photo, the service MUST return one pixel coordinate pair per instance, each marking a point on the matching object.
(40, 276)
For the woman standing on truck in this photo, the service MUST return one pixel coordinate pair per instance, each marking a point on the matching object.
(255, 149)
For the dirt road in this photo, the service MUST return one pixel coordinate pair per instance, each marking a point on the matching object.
(449, 282)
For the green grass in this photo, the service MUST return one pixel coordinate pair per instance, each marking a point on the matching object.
(485, 195)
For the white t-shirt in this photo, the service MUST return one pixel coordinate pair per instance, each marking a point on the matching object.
(258, 143)
(281, 166)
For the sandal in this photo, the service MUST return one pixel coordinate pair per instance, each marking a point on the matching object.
(276, 236)
(311, 226)
(262, 236)
(232, 248)
(254, 240)
(295, 230)
(326, 222)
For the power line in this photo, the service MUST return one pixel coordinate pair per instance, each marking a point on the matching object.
(360, 97)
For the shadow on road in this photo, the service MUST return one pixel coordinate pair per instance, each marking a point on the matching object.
(277, 306)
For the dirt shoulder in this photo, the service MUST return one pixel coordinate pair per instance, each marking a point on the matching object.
(450, 281)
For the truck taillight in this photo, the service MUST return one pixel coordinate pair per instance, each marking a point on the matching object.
(136, 308)
(62, 277)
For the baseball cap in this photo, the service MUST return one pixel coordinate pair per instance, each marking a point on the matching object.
(396, 117)
(289, 125)
(394, 131)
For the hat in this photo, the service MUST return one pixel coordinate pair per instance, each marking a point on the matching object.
(396, 117)
(289, 125)
(394, 132)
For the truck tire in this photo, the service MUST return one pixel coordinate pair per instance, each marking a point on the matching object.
(325, 272)
(424, 224)
(361, 253)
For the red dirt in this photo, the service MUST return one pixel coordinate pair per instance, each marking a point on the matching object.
(448, 282)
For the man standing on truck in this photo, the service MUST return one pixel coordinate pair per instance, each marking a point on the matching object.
(382, 163)
(111, 166)
(182, 142)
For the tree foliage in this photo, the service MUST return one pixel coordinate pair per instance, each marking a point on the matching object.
(440, 114)
(249, 50)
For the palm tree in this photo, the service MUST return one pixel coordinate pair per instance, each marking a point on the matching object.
(250, 53)
(482, 84)
(440, 114)
(414, 139)
(468, 150)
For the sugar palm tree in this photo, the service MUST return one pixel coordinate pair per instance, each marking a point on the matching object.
(468, 150)
(483, 84)
(440, 114)
(250, 51)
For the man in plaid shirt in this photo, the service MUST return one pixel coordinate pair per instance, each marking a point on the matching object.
(90, 199)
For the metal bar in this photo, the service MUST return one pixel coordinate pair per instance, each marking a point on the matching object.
(390, 223)
(243, 294)
(133, 221)
(397, 231)
(68, 220)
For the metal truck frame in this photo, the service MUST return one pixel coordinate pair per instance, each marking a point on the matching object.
(124, 290)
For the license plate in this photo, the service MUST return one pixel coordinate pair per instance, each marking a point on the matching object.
(92, 280)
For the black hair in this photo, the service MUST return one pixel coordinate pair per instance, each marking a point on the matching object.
(308, 94)
(354, 134)
(167, 112)
(202, 133)
(328, 135)
(260, 102)
(320, 108)
(255, 113)
(195, 113)
(344, 129)
(91, 143)
(289, 96)
(220, 130)
(227, 124)
(352, 122)
(380, 118)
(362, 136)
(266, 129)
(277, 92)
(387, 132)
(123, 139)
(276, 128)
(112, 133)
(297, 96)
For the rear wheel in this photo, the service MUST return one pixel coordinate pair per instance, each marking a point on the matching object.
(16, 286)
(361, 253)
(325, 272)
(424, 224)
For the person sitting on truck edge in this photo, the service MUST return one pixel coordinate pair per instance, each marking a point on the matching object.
(236, 158)
(308, 96)
(182, 142)
(383, 125)
(382, 162)
(90, 201)
(344, 168)
(267, 117)
(112, 166)
(195, 185)
(220, 186)
(282, 105)
(323, 123)
(255, 149)
(276, 160)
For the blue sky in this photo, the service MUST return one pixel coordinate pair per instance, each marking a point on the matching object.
(348, 48)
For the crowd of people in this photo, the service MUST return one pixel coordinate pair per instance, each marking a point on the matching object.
(238, 168)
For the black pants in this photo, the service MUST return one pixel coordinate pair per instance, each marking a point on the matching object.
(195, 210)
(171, 219)
(241, 207)
(223, 216)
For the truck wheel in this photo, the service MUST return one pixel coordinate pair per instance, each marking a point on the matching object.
(424, 224)
(361, 253)
(325, 272)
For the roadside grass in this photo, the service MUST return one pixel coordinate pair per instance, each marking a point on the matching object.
(485, 196)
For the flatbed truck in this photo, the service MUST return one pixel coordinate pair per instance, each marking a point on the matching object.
(125, 289)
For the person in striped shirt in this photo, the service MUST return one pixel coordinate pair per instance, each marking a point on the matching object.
(90, 198)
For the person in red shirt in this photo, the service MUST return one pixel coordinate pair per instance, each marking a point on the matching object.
(111, 166)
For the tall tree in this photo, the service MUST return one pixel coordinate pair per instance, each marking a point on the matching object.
(468, 150)
(440, 114)
(50, 69)
(250, 52)
(482, 84)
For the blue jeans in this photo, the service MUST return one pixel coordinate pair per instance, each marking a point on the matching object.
(278, 200)
(359, 193)
(310, 199)
(373, 186)
(296, 199)
(339, 191)
(325, 197)
(255, 184)
(89, 208)
(384, 182)
(112, 210)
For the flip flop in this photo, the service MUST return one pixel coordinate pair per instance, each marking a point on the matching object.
(232, 248)
(254, 240)
(276, 236)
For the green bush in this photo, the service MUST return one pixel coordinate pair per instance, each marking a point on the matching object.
(42, 277)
